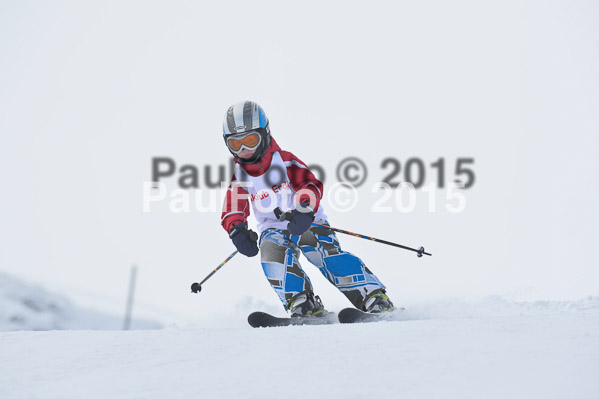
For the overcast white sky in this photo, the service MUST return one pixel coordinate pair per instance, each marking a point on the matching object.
(90, 92)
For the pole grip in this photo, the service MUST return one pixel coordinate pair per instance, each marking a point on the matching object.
(282, 216)
(253, 236)
(278, 212)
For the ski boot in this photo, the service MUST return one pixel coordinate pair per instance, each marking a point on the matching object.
(305, 304)
(377, 302)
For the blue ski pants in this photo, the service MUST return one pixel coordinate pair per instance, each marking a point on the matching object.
(280, 262)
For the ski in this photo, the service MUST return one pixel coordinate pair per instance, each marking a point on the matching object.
(262, 319)
(353, 315)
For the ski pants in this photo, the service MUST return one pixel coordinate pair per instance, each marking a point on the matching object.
(280, 261)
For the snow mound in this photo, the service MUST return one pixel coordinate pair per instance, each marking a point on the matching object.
(28, 307)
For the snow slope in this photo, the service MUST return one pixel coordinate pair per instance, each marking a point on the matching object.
(447, 349)
(25, 306)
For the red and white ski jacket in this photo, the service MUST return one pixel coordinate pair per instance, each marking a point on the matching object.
(280, 179)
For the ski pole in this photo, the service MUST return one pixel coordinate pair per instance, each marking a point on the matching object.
(197, 287)
(287, 216)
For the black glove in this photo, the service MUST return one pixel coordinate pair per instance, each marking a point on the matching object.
(245, 240)
(301, 219)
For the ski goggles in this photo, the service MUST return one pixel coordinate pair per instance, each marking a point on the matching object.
(248, 140)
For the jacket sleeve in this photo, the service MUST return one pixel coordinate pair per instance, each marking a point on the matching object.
(236, 208)
(302, 179)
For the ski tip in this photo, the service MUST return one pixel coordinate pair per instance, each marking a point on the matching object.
(256, 319)
(349, 315)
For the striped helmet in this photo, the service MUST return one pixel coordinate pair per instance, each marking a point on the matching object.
(246, 116)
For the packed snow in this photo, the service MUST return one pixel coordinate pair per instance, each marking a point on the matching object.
(453, 348)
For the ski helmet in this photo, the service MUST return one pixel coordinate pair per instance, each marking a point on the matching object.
(241, 120)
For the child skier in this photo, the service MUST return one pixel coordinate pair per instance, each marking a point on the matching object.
(269, 177)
